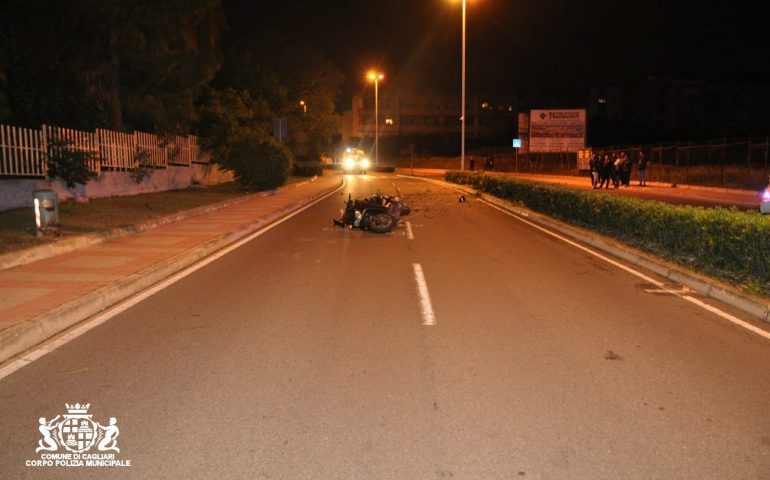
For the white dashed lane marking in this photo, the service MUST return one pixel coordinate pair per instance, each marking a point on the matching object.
(428, 318)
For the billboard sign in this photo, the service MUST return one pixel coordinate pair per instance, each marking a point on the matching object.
(557, 130)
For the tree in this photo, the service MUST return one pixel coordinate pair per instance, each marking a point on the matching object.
(119, 64)
(167, 56)
(5, 107)
(315, 81)
(283, 73)
(236, 131)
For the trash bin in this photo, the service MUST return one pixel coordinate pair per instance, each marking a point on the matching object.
(46, 212)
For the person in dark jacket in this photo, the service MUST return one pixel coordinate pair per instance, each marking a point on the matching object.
(642, 163)
(617, 164)
(626, 170)
(594, 165)
(606, 172)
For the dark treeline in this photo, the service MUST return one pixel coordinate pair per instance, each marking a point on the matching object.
(170, 67)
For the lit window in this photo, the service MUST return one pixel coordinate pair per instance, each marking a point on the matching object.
(602, 100)
(388, 121)
(485, 105)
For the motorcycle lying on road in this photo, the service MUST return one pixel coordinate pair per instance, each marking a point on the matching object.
(378, 213)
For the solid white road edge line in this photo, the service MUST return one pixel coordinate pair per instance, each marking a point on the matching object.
(678, 293)
(409, 233)
(422, 288)
(726, 316)
(121, 307)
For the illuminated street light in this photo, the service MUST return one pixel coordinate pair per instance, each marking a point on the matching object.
(376, 77)
(304, 107)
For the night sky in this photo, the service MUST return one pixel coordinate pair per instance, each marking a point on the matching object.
(515, 43)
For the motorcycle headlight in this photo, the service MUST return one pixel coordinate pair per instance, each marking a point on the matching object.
(365, 163)
(349, 162)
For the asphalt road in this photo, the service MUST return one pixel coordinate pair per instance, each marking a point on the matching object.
(304, 354)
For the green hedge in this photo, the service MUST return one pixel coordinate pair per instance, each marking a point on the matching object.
(729, 244)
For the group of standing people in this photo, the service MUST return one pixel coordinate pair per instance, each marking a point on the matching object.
(489, 164)
(616, 168)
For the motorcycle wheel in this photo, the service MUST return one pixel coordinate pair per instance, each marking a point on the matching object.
(381, 223)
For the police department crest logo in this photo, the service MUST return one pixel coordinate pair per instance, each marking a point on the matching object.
(67, 438)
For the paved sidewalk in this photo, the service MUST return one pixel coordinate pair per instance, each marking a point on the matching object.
(664, 192)
(44, 297)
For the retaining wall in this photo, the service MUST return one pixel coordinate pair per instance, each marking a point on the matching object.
(17, 193)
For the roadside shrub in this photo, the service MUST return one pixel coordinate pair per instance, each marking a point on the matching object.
(235, 127)
(308, 168)
(68, 164)
(259, 165)
(142, 171)
(727, 243)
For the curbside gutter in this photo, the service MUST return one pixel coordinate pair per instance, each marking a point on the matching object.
(33, 254)
(706, 286)
(18, 338)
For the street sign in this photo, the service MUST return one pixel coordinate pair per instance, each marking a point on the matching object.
(280, 128)
(584, 158)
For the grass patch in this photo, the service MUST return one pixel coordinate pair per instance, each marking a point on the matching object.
(17, 227)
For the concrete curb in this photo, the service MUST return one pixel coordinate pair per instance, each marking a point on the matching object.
(33, 254)
(706, 286)
(18, 338)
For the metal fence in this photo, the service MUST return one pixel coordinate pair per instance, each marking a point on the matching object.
(721, 162)
(734, 163)
(23, 151)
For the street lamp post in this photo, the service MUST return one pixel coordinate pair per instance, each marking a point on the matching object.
(462, 119)
(462, 112)
(304, 107)
(376, 77)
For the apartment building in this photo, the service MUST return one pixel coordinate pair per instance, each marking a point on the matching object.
(490, 118)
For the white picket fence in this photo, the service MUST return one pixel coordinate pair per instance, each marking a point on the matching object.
(76, 140)
(23, 151)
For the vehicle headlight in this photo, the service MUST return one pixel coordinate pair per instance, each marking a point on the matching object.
(365, 163)
(349, 162)
(766, 196)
